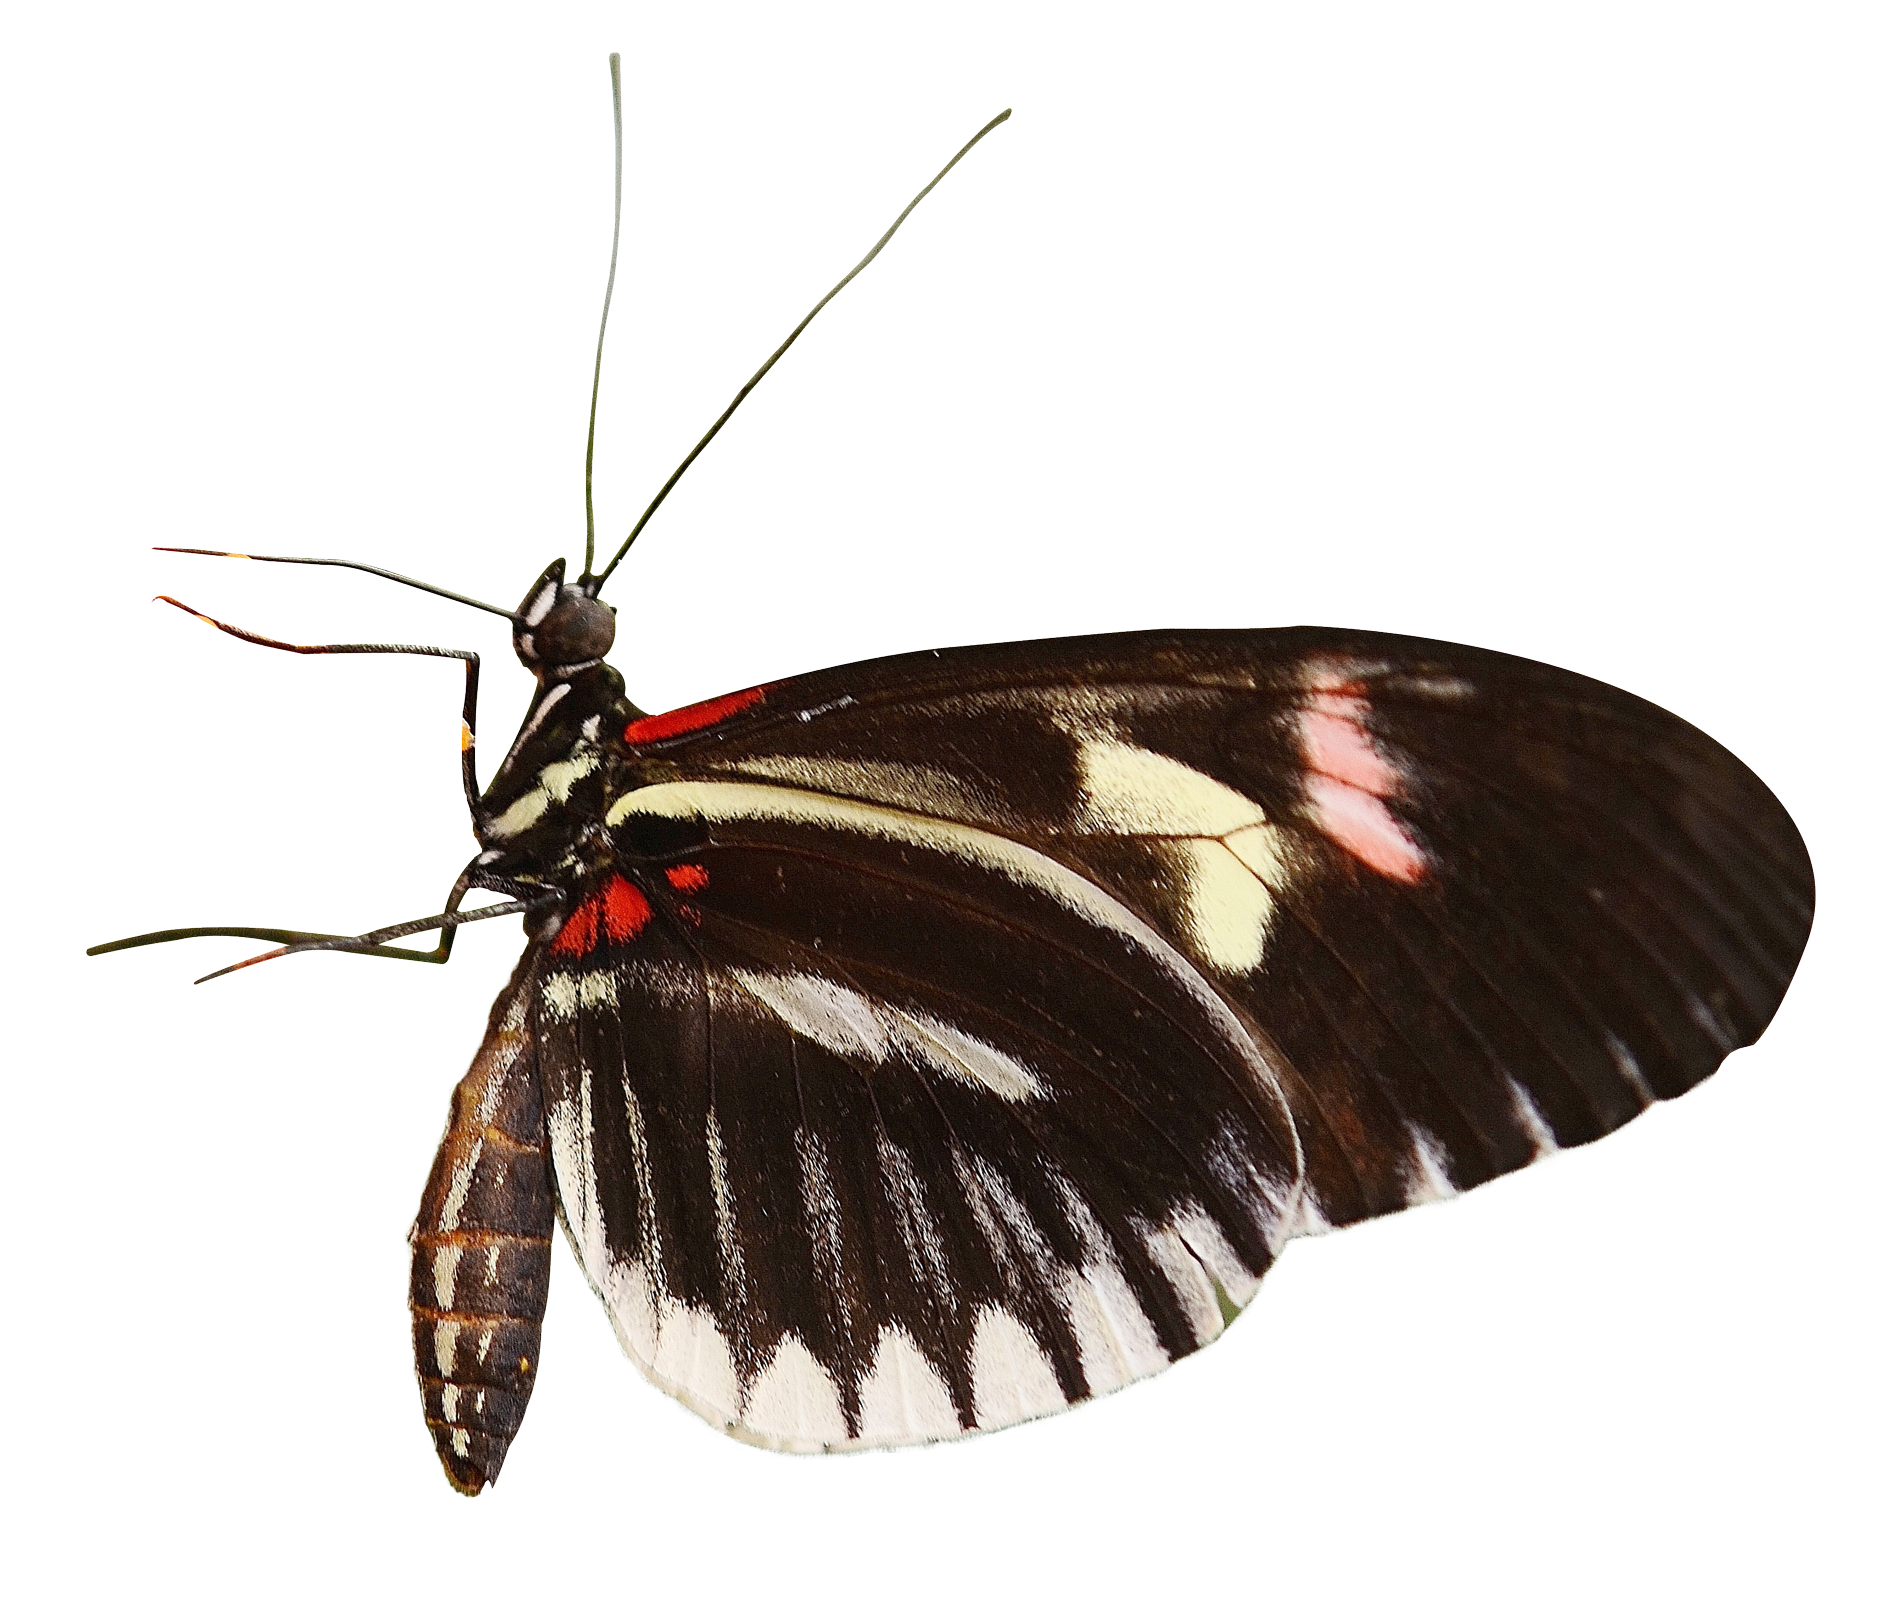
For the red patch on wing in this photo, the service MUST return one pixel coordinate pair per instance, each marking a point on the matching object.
(688, 879)
(582, 930)
(690, 718)
(619, 910)
(623, 910)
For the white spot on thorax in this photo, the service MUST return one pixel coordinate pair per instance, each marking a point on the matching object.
(554, 782)
(559, 776)
(519, 816)
(540, 714)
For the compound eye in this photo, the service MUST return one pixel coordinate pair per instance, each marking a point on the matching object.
(577, 628)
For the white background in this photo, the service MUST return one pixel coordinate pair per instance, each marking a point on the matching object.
(1567, 331)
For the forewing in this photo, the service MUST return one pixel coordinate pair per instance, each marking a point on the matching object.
(1475, 908)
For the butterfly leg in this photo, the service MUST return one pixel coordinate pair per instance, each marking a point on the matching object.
(372, 942)
(471, 678)
(363, 943)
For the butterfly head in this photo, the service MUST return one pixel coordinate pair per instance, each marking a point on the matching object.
(560, 624)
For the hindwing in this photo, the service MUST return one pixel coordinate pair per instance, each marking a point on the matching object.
(960, 1035)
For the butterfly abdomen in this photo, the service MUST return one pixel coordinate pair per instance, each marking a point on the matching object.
(478, 1283)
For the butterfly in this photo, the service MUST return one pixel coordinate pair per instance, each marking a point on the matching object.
(922, 1046)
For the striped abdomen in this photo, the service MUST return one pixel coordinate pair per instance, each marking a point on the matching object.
(478, 1281)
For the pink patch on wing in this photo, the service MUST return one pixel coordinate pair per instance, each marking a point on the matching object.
(1349, 777)
(1361, 825)
(691, 718)
(1339, 748)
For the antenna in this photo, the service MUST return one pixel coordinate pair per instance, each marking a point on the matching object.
(593, 585)
(600, 344)
(350, 565)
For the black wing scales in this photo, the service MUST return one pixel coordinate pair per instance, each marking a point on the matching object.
(1611, 904)
(977, 1026)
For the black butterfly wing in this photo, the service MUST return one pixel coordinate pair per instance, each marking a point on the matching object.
(1002, 1011)
(882, 1128)
(1479, 904)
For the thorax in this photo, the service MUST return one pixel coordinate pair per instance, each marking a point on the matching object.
(542, 817)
